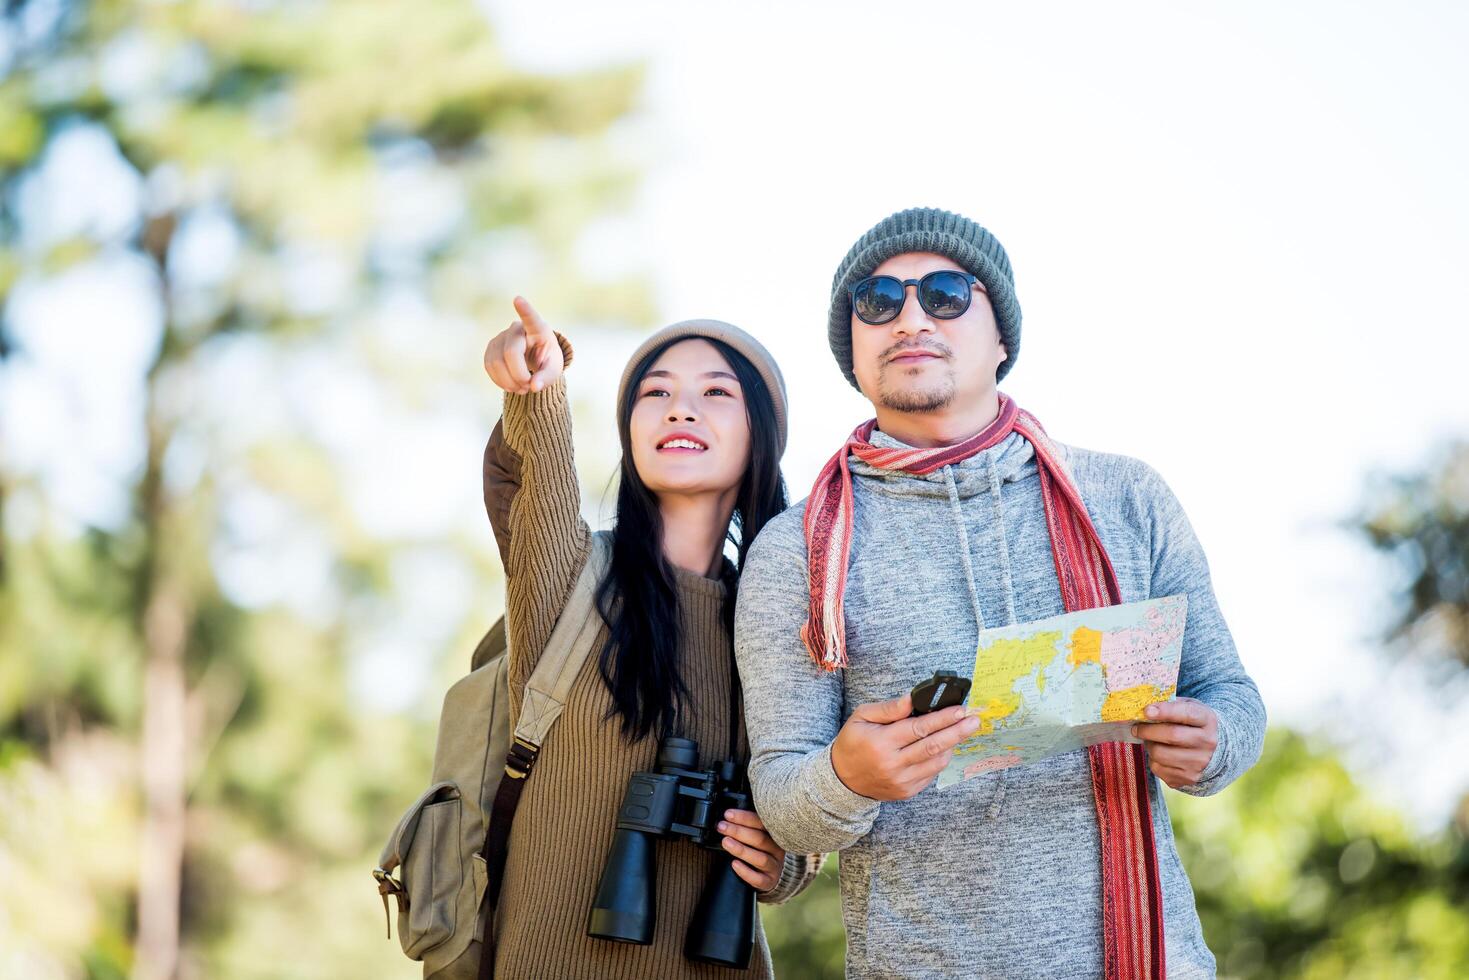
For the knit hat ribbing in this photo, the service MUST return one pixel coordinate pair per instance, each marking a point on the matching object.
(727, 333)
(926, 230)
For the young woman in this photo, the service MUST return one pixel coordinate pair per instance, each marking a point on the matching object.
(701, 417)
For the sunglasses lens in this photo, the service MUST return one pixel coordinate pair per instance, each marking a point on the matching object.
(878, 299)
(944, 294)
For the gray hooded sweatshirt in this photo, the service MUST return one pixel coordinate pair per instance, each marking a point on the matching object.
(1000, 875)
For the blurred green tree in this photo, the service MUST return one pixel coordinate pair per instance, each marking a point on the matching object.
(806, 935)
(1299, 871)
(321, 190)
(1422, 521)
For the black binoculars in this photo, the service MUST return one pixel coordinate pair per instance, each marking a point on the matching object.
(677, 800)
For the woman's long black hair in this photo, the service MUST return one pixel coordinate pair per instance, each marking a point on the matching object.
(639, 598)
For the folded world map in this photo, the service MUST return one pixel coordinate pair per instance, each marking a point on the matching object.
(1059, 684)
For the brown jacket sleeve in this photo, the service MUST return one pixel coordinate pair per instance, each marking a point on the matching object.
(797, 873)
(501, 480)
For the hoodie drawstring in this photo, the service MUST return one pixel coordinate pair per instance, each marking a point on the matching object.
(997, 801)
(1009, 583)
(963, 543)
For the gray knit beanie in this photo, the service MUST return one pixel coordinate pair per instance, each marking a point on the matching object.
(727, 333)
(926, 230)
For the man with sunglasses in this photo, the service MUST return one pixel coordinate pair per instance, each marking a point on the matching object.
(950, 512)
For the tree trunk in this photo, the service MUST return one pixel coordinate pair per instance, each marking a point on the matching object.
(165, 622)
(164, 768)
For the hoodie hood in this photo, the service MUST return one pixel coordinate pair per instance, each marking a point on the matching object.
(1010, 461)
(981, 475)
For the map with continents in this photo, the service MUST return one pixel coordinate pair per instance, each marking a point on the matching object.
(1056, 685)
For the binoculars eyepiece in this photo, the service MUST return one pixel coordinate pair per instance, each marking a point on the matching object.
(677, 799)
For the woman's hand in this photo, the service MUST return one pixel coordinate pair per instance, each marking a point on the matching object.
(525, 356)
(758, 858)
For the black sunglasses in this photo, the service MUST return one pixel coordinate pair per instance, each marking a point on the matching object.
(943, 294)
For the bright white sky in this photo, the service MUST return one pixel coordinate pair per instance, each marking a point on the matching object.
(1239, 234)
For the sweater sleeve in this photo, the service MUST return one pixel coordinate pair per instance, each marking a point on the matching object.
(793, 710)
(549, 541)
(1210, 670)
(797, 873)
(501, 473)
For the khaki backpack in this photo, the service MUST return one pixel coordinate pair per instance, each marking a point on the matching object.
(449, 848)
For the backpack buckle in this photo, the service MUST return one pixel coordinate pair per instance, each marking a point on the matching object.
(521, 758)
(388, 885)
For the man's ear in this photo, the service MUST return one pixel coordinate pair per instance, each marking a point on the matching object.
(1004, 354)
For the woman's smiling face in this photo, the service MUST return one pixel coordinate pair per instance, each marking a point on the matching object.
(690, 431)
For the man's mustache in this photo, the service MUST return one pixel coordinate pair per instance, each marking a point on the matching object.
(935, 347)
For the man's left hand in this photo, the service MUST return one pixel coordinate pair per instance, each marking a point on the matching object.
(1180, 736)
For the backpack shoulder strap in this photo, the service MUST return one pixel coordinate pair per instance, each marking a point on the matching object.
(566, 651)
(545, 695)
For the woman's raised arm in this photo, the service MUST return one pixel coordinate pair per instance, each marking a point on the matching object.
(548, 539)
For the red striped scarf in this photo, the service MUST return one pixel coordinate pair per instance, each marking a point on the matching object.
(1132, 897)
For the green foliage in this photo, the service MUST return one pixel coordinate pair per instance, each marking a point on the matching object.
(806, 935)
(1422, 521)
(1301, 872)
(348, 155)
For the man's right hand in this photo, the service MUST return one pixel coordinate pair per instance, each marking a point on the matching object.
(883, 754)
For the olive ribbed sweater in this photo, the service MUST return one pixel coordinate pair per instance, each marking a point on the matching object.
(565, 822)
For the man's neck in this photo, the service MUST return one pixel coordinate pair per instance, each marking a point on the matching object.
(694, 529)
(954, 424)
